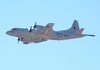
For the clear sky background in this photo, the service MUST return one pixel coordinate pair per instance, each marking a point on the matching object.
(74, 54)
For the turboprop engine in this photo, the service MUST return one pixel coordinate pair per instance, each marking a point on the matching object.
(39, 27)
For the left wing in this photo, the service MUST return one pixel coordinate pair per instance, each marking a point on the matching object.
(43, 34)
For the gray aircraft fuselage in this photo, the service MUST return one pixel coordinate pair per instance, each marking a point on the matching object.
(44, 33)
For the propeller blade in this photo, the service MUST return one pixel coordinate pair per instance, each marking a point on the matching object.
(31, 27)
(30, 30)
(18, 42)
(35, 25)
(18, 39)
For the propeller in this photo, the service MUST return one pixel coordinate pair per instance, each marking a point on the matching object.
(18, 39)
(30, 30)
(34, 25)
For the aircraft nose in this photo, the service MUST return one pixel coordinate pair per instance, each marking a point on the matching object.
(8, 32)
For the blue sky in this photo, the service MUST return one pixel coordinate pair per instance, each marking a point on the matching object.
(75, 54)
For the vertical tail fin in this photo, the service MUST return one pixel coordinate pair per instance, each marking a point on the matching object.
(74, 27)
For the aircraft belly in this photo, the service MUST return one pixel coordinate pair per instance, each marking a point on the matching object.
(37, 40)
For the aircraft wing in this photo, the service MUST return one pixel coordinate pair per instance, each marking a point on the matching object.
(47, 31)
(42, 35)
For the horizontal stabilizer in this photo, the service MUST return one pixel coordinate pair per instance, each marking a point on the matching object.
(79, 31)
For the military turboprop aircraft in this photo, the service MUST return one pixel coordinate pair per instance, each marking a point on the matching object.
(43, 33)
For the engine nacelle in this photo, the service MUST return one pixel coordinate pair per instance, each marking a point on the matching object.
(23, 40)
(39, 27)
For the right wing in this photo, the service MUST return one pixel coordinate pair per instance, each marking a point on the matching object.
(44, 33)
(47, 30)
(37, 40)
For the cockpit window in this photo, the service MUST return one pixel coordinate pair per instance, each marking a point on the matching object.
(14, 29)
